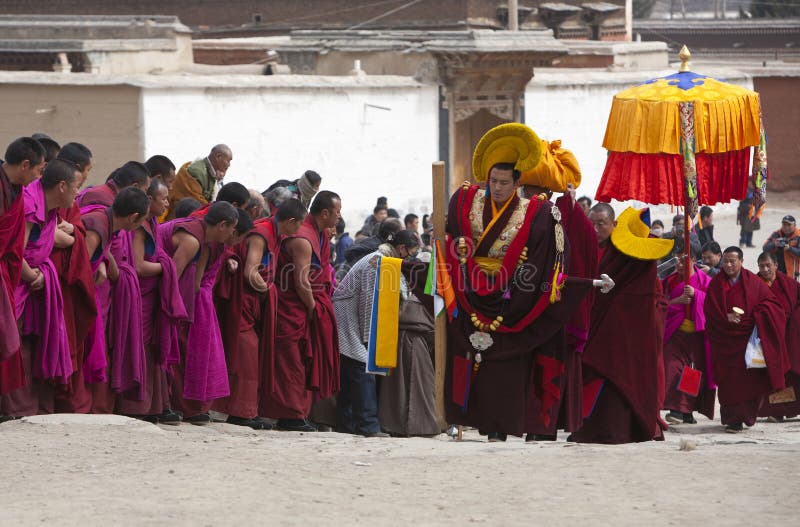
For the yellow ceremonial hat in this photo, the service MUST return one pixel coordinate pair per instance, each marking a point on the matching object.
(557, 168)
(508, 143)
(631, 237)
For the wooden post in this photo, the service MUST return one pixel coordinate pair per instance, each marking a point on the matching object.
(440, 196)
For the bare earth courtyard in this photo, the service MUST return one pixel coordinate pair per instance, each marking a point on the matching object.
(103, 470)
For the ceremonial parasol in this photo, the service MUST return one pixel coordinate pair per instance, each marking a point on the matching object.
(685, 139)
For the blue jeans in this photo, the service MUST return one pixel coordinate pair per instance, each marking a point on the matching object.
(357, 401)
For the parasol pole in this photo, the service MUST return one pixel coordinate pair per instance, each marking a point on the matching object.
(686, 111)
(439, 183)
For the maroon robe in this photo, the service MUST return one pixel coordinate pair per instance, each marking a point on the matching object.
(526, 355)
(624, 353)
(568, 414)
(243, 313)
(306, 355)
(98, 195)
(80, 311)
(685, 349)
(12, 246)
(742, 391)
(787, 291)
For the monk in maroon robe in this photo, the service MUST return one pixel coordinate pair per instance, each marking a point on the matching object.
(738, 302)
(24, 161)
(305, 359)
(246, 305)
(71, 261)
(784, 403)
(621, 367)
(687, 353)
(77, 289)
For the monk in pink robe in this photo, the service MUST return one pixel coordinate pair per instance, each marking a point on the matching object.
(738, 302)
(784, 403)
(24, 161)
(306, 353)
(126, 370)
(687, 349)
(162, 312)
(200, 375)
(39, 305)
(103, 226)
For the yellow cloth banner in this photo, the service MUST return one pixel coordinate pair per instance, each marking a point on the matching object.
(388, 312)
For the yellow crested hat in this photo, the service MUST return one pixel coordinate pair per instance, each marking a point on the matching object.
(631, 237)
(557, 168)
(508, 143)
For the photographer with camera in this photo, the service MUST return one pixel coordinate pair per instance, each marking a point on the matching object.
(785, 245)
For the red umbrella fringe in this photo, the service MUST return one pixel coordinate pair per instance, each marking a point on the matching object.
(658, 178)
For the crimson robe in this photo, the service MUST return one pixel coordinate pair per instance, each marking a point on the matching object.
(624, 353)
(787, 291)
(12, 245)
(98, 195)
(687, 349)
(80, 310)
(741, 390)
(526, 353)
(306, 354)
(247, 319)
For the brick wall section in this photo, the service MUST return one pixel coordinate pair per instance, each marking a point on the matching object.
(781, 117)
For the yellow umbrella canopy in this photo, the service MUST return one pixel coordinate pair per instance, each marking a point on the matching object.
(683, 139)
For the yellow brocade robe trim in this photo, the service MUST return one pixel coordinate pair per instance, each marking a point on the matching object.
(491, 263)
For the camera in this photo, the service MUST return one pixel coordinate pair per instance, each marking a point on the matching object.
(780, 242)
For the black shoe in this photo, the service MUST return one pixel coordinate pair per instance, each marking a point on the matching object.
(495, 437)
(169, 417)
(199, 419)
(734, 428)
(688, 419)
(267, 424)
(250, 423)
(750, 245)
(296, 425)
(5, 418)
(674, 418)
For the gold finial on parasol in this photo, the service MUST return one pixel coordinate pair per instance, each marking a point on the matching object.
(685, 56)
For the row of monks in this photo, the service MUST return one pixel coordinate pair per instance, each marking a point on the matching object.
(105, 309)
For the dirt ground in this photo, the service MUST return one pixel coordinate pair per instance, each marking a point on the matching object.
(101, 470)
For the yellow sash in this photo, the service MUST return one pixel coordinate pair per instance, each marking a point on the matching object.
(388, 312)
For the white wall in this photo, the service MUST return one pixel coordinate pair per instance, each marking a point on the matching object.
(362, 152)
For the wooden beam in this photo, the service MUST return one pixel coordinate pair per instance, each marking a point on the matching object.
(440, 196)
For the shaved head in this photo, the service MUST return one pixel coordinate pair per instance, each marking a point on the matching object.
(221, 149)
(604, 208)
